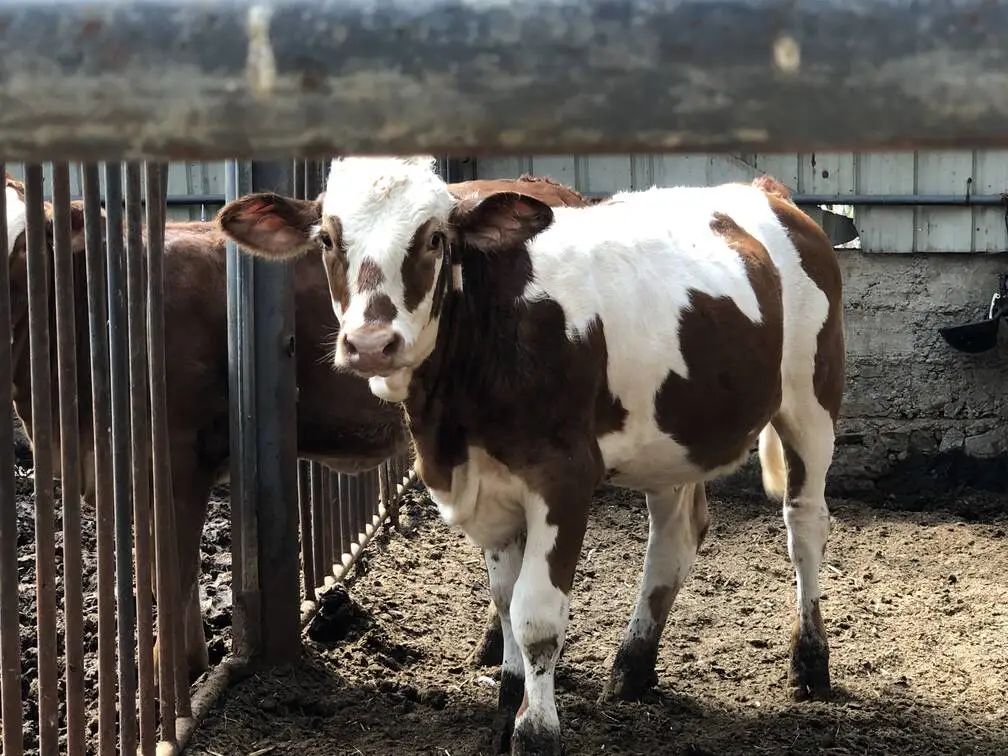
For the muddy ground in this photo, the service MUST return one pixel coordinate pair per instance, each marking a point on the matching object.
(915, 605)
(215, 597)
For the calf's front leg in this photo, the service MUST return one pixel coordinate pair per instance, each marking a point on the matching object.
(539, 615)
(503, 566)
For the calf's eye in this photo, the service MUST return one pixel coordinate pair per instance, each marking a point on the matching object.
(437, 240)
(325, 240)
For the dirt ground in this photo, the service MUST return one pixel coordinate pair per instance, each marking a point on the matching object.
(915, 606)
(215, 599)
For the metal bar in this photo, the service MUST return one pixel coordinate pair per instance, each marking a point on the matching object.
(241, 391)
(276, 442)
(318, 523)
(140, 434)
(335, 523)
(330, 545)
(42, 442)
(101, 411)
(10, 639)
(568, 76)
(121, 458)
(881, 200)
(305, 510)
(66, 339)
(345, 519)
(164, 535)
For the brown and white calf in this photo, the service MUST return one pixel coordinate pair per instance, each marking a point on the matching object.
(649, 340)
(340, 422)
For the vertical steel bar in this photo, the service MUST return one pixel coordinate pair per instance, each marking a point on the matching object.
(241, 392)
(164, 534)
(10, 639)
(346, 517)
(121, 462)
(329, 545)
(66, 339)
(300, 179)
(339, 508)
(305, 511)
(42, 440)
(140, 432)
(102, 417)
(332, 497)
(318, 523)
(276, 442)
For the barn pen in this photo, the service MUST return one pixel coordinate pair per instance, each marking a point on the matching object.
(96, 100)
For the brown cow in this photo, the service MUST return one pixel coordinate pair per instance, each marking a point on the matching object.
(651, 340)
(352, 434)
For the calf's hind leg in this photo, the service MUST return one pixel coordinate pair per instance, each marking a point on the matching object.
(807, 437)
(678, 524)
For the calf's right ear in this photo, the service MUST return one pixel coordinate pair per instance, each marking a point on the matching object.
(271, 225)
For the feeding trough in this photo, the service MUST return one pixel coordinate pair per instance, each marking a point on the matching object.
(980, 335)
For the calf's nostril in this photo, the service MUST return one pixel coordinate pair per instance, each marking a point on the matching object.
(350, 348)
(392, 347)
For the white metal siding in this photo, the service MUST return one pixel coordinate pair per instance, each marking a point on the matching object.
(882, 229)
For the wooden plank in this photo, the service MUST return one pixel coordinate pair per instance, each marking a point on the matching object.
(990, 226)
(885, 229)
(944, 229)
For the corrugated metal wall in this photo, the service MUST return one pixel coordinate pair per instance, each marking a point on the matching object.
(184, 179)
(882, 229)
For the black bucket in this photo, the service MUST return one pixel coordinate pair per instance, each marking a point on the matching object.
(972, 337)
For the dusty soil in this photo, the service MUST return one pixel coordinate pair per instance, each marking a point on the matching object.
(914, 605)
(215, 599)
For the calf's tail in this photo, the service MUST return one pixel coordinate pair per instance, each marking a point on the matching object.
(771, 456)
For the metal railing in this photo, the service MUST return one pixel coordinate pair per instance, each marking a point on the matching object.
(91, 309)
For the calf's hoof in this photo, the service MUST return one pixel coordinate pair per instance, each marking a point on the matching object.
(633, 672)
(535, 740)
(809, 676)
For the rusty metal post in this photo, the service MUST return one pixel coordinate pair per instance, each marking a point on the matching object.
(272, 406)
(241, 391)
(66, 339)
(139, 400)
(101, 410)
(305, 511)
(318, 523)
(330, 539)
(10, 639)
(347, 525)
(333, 520)
(121, 457)
(42, 440)
(164, 534)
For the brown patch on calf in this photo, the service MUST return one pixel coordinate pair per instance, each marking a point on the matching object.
(795, 472)
(734, 383)
(610, 414)
(335, 262)
(418, 267)
(770, 185)
(819, 262)
(660, 602)
(369, 276)
(380, 309)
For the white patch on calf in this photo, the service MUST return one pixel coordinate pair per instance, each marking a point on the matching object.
(17, 217)
(485, 500)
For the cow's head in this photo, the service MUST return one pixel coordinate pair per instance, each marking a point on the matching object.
(389, 231)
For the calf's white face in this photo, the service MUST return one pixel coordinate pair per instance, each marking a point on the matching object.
(384, 231)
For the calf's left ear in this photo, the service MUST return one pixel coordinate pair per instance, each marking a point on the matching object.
(271, 225)
(501, 220)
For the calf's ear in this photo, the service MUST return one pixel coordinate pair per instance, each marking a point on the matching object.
(501, 220)
(271, 225)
